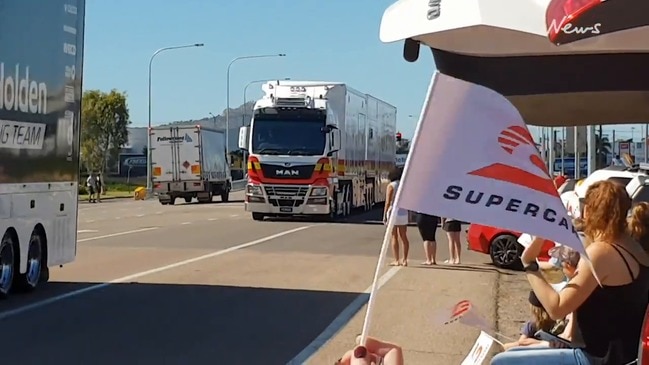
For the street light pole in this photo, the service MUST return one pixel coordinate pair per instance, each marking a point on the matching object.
(148, 143)
(227, 92)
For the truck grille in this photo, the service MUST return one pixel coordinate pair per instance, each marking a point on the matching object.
(292, 191)
(286, 196)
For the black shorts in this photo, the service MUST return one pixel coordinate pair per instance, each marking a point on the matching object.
(452, 226)
(427, 225)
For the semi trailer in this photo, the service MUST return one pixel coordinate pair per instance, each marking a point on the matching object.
(317, 148)
(189, 162)
(40, 103)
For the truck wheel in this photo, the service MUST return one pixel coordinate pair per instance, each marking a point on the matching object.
(225, 195)
(32, 277)
(257, 217)
(188, 199)
(7, 264)
(172, 200)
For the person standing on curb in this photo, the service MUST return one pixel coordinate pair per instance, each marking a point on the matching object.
(453, 228)
(427, 225)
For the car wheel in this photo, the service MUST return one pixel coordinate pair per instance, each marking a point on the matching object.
(505, 251)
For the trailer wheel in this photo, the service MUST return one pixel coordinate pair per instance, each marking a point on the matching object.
(188, 199)
(7, 265)
(32, 277)
(257, 217)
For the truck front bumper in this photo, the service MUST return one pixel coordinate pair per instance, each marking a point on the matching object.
(304, 209)
(286, 200)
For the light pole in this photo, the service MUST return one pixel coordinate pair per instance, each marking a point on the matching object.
(227, 92)
(213, 119)
(148, 143)
(245, 90)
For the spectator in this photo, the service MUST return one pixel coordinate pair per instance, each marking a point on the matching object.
(91, 184)
(427, 225)
(399, 232)
(540, 321)
(453, 228)
(608, 317)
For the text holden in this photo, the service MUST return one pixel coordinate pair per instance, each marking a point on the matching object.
(454, 192)
(19, 93)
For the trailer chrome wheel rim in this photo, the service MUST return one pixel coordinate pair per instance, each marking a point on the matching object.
(6, 266)
(34, 261)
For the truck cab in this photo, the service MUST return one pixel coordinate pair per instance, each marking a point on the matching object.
(292, 141)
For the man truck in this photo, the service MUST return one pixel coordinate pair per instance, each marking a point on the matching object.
(189, 162)
(317, 148)
(40, 99)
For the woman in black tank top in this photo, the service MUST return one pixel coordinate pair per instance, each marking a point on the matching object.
(608, 318)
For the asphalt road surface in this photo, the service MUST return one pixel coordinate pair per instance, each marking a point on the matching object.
(197, 284)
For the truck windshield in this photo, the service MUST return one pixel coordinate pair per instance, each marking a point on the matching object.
(281, 136)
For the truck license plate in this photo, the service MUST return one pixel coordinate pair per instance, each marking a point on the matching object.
(286, 210)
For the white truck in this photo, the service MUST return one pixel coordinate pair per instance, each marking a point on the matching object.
(40, 100)
(189, 162)
(317, 148)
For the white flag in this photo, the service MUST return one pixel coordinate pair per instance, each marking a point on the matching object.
(480, 350)
(466, 313)
(473, 159)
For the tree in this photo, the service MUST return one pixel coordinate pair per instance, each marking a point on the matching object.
(602, 150)
(104, 122)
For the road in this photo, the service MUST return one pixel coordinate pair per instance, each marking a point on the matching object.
(193, 283)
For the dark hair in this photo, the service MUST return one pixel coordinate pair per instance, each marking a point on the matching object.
(395, 174)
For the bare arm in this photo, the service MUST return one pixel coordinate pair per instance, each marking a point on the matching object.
(389, 197)
(579, 288)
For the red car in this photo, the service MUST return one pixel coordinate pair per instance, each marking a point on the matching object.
(501, 244)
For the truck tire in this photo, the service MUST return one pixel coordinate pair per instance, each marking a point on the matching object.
(225, 195)
(7, 265)
(257, 217)
(188, 199)
(32, 277)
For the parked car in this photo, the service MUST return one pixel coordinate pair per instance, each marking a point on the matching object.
(501, 245)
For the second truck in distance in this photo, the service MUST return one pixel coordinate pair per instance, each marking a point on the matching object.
(317, 148)
(189, 162)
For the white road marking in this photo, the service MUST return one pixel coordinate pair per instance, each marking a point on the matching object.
(183, 223)
(213, 219)
(118, 217)
(340, 321)
(158, 212)
(129, 278)
(87, 231)
(234, 215)
(117, 234)
(140, 215)
(90, 221)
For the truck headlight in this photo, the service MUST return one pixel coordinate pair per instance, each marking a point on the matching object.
(254, 190)
(319, 191)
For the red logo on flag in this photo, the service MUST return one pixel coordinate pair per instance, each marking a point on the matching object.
(510, 139)
(459, 310)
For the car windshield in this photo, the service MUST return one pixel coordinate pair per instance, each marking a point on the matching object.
(288, 136)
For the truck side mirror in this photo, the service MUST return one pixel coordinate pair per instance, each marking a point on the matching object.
(334, 141)
(243, 138)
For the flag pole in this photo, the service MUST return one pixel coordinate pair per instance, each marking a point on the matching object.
(390, 226)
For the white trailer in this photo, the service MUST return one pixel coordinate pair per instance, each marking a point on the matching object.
(317, 148)
(40, 99)
(189, 162)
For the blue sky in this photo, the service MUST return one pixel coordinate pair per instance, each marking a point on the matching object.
(331, 40)
(335, 40)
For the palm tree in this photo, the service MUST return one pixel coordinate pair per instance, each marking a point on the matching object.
(602, 149)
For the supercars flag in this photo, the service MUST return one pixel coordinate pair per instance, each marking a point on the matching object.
(473, 159)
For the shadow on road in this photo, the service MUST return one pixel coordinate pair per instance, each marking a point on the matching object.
(475, 268)
(167, 324)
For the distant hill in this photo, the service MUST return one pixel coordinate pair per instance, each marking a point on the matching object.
(236, 117)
